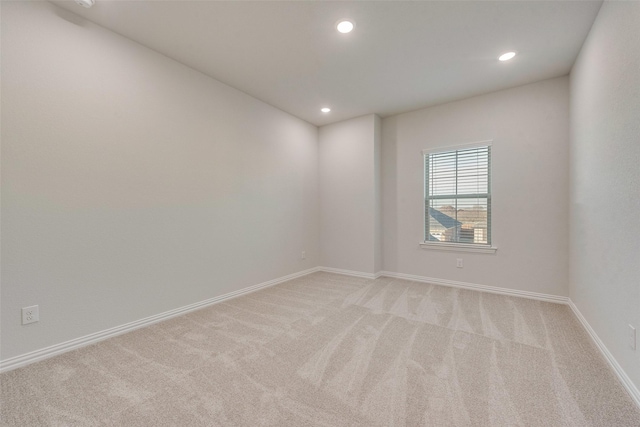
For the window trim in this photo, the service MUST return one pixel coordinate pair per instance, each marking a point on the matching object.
(477, 144)
(459, 247)
(449, 246)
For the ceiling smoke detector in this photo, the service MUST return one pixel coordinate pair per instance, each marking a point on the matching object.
(85, 3)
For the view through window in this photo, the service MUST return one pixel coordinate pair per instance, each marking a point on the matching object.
(458, 195)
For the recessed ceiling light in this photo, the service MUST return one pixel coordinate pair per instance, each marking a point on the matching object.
(325, 109)
(345, 26)
(506, 56)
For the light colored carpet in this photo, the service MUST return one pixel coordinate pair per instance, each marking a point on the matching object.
(332, 350)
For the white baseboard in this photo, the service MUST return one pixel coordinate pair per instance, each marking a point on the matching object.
(349, 272)
(54, 350)
(622, 375)
(477, 287)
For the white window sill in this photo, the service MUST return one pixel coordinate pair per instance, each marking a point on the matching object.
(459, 247)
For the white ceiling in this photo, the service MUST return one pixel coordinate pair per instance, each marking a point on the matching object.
(402, 55)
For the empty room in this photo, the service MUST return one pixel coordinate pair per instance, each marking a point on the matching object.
(320, 213)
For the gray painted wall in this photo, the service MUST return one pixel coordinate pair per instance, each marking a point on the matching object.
(605, 180)
(132, 184)
(348, 194)
(529, 126)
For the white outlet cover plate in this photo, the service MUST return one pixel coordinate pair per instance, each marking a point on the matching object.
(30, 314)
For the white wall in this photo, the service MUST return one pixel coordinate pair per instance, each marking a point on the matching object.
(605, 180)
(348, 194)
(132, 185)
(377, 189)
(529, 126)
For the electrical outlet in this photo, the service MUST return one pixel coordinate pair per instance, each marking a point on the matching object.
(30, 314)
(303, 255)
(632, 337)
(459, 263)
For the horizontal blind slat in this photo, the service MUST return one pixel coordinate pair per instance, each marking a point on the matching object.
(457, 195)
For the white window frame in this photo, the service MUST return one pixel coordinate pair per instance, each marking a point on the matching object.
(451, 246)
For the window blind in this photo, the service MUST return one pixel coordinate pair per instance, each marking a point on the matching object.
(458, 196)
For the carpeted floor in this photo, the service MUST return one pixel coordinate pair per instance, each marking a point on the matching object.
(333, 350)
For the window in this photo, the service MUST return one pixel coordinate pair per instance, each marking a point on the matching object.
(457, 197)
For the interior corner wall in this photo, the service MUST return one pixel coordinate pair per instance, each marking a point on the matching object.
(133, 185)
(529, 126)
(605, 180)
(377, 188)
(349, 193)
